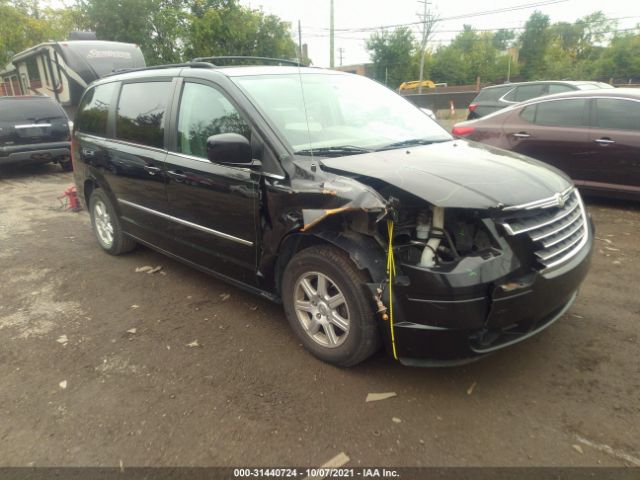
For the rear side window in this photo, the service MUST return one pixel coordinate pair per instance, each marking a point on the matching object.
(141, 111)
(492, 94)
(34, 110)
(93, 112)
(529, 113)
(562, 113)
(525, 92)
(617, 114)
(557, 88)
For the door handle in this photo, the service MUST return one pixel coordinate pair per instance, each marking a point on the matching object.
(604, 141)
(88, 152)
(152, 169)
(521, 135)
(177, 175)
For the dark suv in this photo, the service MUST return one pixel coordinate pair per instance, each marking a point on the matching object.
(33, 129)
(335, 196)
(494, 98)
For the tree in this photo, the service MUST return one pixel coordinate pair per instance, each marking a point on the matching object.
(534, 41)
(622, 59)
(224, 27)
(471, 55)
(392, 54)
(23, 26)
(155, 25)
(448, 65)
(503, 39)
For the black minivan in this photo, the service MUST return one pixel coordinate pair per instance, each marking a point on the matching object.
(33, 129)
(335, 196)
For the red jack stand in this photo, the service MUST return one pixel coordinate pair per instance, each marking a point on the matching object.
(71, 199)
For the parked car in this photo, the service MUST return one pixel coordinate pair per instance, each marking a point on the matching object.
(305, 199)
(33, 129)
(494, 98)
(593, 136)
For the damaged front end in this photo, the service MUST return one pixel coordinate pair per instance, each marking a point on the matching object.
(468, 281)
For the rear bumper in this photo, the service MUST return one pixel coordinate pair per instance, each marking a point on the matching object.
(40, 153)
(468, 313)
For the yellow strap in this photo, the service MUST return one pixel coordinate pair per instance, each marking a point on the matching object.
(391, 272)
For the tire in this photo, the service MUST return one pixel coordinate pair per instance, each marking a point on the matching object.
(106, 225)
(320, 324)
(66, 165)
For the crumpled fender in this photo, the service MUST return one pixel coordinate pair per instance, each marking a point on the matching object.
(355, 195)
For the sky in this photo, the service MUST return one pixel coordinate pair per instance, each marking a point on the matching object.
(351, 15)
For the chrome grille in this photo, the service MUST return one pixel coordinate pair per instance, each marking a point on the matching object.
(557, 232)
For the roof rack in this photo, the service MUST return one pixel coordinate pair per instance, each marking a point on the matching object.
(279, 61)
(194, 64)
(205, 62)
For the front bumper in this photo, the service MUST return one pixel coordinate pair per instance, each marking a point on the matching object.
(479, 306)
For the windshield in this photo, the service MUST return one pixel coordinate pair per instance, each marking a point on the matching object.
(345, 114)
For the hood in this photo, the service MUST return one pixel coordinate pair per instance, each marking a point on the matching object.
(458, 174)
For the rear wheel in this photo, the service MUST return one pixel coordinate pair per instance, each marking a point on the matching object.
(65, 164)
(327, 306)
(106, 225)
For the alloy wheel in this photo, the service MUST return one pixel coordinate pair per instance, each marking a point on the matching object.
(321, 309)
(104, 227)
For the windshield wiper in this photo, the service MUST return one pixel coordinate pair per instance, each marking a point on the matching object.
(410, 143)
(337, 151)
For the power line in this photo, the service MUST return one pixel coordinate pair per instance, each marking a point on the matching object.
(450, 31)
(497, 29)
(456, 17)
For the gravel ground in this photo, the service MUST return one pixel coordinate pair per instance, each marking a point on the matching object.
(101, 365)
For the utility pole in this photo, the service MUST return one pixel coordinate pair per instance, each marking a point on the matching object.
(331, 28)
(299, 42)
(340, 53)
(428, 22)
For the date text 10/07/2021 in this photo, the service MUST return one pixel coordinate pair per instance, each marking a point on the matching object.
(315, 473)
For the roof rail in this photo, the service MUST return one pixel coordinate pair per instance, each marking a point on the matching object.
(280, 61)
(193, 64)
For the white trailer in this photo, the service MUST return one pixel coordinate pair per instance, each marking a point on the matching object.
(63, 70)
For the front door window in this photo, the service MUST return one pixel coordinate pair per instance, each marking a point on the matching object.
(204, 112)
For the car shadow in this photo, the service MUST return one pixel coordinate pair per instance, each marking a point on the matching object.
(594, 201)
(17, 172)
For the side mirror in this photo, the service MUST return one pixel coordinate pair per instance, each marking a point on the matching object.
(229, 149)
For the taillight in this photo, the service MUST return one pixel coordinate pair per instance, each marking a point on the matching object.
(462, 131)
(472, 107)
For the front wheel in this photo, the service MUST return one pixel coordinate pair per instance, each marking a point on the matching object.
(328, 308)
(106, 225)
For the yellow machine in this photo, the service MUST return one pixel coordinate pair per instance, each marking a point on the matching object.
(415, 84)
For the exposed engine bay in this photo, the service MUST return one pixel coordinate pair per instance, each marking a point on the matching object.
(427, 236)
